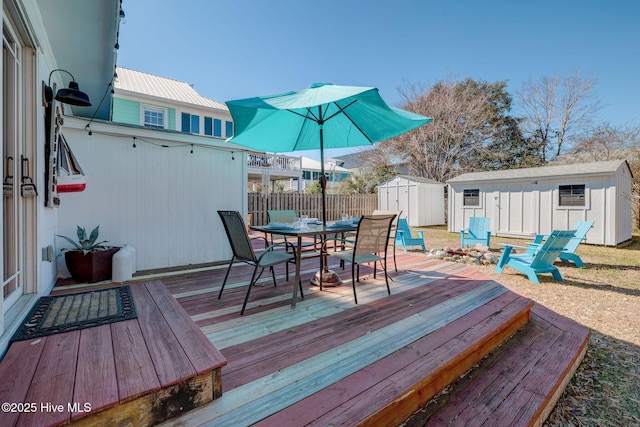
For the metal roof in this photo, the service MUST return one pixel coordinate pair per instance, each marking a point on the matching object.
(162, 87)
(564, 170)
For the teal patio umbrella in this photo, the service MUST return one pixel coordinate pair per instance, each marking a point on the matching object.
(319, 117)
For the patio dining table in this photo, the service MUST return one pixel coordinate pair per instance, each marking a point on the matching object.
(308, 230)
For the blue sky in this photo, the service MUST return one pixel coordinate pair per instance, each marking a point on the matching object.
(230, 49)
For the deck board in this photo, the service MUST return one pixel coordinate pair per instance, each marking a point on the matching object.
(17, 371)
(115, 368)
(96, 381)
(134, 368)
(53, 381)
(170, 361)
(343, 403)
(201, 350)
(518, 383)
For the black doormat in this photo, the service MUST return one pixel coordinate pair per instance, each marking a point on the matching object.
(64, 313)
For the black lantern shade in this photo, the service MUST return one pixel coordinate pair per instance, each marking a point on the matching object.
(71, 95)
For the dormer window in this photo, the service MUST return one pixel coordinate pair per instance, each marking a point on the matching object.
(153, 117)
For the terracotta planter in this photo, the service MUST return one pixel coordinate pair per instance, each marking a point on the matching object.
(92, 267)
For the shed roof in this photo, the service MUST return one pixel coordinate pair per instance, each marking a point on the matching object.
(162, 87)
(564, 170)
(418, 179)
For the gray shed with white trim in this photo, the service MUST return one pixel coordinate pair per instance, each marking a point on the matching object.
(522, 202)
(421, 200)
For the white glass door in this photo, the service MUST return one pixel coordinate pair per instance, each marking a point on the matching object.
(12, 202)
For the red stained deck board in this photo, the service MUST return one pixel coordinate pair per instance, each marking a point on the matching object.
(512, 386)
(348, 321)
(16, 373)
(487, 388)
(260, 357)
(169, 359)
(134, 367)
(201, 352)
(441, 360)
(544, 378)
(53, 381)
(377, 379)
(96, 382)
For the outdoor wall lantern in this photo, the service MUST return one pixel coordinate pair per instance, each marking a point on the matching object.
(71, 95)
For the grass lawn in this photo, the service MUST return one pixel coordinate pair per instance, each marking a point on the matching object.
(605, 297)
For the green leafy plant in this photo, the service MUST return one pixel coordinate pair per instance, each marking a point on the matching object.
(84, 243)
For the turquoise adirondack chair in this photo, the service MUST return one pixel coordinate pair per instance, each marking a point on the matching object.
(569, 252)
(405, 238)
(478, 232)
(541, 260)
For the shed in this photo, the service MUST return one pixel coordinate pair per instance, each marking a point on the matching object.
(421, 200)
(522, 202)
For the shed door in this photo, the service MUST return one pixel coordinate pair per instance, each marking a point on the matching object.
(392, 197)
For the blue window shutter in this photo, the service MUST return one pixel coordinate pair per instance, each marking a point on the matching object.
(186, 122)
(195, 123)
(208, 126)
(229, 129)
(217, 127)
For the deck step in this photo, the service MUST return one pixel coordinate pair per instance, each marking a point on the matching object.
(519, 383)
(389, 385)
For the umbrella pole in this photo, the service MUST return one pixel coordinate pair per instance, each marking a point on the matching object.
(324, 277)
(323, 182)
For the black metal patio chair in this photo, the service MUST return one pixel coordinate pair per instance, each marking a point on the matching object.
(243, 251)
(370, 245)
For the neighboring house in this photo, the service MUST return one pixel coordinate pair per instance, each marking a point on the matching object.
(355, 161)
(523, 202)
(269, 168)
(162, 103)
(311, 171)
(44, 44)
(293, 173)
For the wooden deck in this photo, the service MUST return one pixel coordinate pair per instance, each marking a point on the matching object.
(136, 372)
(331, 362)
(326, 362)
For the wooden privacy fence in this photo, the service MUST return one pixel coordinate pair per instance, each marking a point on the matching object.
(311, 204)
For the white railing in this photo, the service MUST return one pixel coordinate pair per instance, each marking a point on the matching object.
(274, 162)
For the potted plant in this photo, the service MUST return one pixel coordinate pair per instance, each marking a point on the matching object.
(89, 260)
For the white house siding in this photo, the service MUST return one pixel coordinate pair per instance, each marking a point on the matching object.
(160, 200)
(519, 206)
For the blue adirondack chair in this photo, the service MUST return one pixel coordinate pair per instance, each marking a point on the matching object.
(541, 260)
(569, 253)
(478, 232)
(405, 238)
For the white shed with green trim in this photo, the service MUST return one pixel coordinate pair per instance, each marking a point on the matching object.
(522, 202)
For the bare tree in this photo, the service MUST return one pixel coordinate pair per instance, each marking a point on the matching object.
(557, 110)
(608, 142)
(466, 118)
